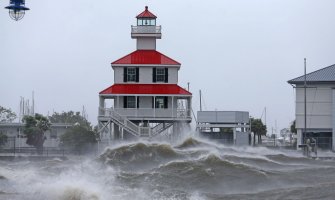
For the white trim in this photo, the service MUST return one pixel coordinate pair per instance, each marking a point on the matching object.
(172, 106)
(144, 65)
(145, 95)
(154, 99)
(158, 83)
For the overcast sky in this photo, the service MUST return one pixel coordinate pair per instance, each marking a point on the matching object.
(240, 53)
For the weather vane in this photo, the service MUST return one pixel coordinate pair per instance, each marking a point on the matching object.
(16, 9)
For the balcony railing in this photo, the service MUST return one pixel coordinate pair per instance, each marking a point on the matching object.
(146, 29)
(146, 113)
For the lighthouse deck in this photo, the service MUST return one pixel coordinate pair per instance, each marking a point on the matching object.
(146, 31)
(147, 114)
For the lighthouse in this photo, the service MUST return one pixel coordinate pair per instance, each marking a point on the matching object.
(145, 99)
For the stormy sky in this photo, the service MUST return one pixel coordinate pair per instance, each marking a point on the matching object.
(240, 53)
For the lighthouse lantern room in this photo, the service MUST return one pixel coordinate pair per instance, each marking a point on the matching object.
(144, 100)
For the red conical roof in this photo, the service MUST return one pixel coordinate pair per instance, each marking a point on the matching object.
(146, 57)
(146, 14)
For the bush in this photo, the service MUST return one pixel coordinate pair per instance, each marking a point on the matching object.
(78, 139)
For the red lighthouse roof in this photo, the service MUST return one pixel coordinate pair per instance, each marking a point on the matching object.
(158, 89)
(146, 57)
(146, 14)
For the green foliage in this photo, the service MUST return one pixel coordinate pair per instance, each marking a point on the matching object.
(70, 117)
(35, 126)
(292, 128)
(6, 115)
(3, 138)
(78, 138)
(258, 128)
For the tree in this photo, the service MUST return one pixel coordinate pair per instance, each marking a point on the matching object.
(78, 138)
(293, 128)
(3, 138)
(35, 127)
(258, 128)
(6, 115)
(70, 117)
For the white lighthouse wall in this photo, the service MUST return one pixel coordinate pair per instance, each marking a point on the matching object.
(145, 76)
(146, 43)
(118, 74)
(145, 108)
(173, 75)
(145, 102)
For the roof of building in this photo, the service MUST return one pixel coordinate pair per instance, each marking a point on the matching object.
(160, 89)
(146, 14)
(148, 57)
(324, 75)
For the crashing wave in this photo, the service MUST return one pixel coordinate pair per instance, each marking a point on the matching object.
(190, 142)
(139, 154)
(78, 194)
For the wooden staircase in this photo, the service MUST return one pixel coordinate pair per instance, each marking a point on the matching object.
(134, 129)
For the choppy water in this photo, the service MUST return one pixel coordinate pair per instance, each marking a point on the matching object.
(194, 169)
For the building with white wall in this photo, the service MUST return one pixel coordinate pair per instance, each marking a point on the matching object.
(228, 127)
(320, 107)
(145, 98)
(14, 131)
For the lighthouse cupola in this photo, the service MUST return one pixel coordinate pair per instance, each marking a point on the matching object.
(146, 31)
(146, 18)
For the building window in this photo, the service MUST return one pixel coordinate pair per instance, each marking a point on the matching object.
(146, 22)
(131, 102)
(161, 102)
(131, 74)
(160, 75)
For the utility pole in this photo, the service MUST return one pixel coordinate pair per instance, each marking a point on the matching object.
(33, 106)
(305, 102)
(200, 100)
(265, 115)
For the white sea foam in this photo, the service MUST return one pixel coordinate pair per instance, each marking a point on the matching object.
(193, 169)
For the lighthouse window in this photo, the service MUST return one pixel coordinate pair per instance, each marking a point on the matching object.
(160, 75)
(131, 74)
(146, 22)
(161, 102)
(153, 22)
(131, 102)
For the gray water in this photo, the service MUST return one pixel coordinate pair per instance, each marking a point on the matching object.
(193, 169)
